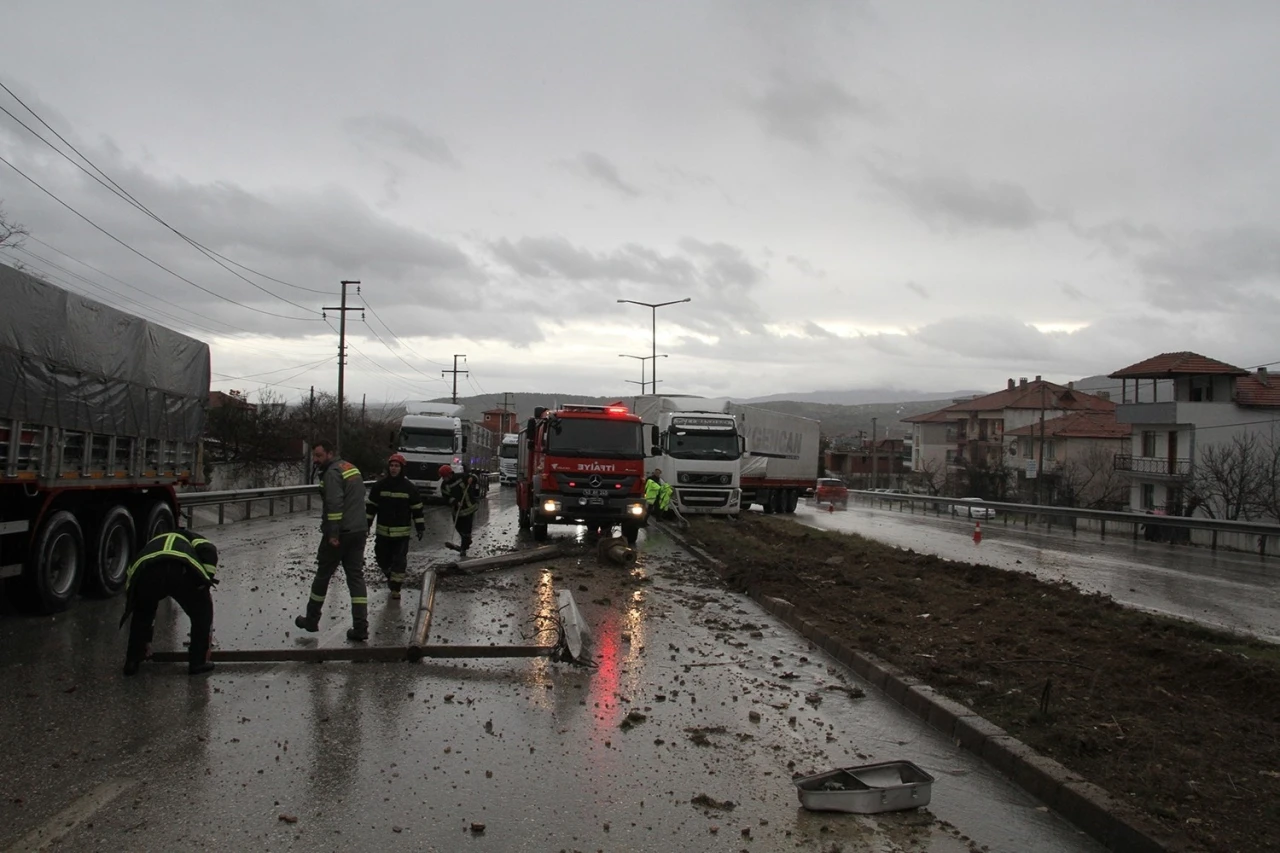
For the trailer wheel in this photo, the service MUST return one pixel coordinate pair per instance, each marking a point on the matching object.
(159, 519)
(766, 501)
(539, 532)
(113, 548)
(56, 564)
(792, 500)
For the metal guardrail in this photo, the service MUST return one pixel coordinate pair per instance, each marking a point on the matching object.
(188, 501)
(288, 495)
(1137, 519)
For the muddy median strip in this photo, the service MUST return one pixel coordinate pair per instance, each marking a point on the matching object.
(1033, 677)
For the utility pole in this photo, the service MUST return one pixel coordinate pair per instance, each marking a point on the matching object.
(506, 396)
(1040, 463)
(311, 434)
(364, 398)
(342, 354)
(455, 373)
(875, 456)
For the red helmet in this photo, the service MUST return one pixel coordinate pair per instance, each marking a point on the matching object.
(396, 458)
(446, 471)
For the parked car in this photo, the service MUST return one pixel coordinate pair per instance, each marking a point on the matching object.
(832, 491)
(973, 511)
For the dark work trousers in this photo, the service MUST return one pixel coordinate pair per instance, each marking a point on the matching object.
(391, 554)
(463, 524)
(153, 583)
(350, 554)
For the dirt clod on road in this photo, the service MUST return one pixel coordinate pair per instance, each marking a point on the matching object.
(1180, 721)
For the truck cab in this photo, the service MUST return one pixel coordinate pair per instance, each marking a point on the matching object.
(582, 464)
(508, 452)
(700, 455)
(431, 435)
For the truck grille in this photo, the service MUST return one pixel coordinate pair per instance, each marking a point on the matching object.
(584, 482)
(695, 479)
(702, 497)
(424, 471)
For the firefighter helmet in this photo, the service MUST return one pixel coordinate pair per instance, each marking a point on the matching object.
(396, 458)
(446, 471)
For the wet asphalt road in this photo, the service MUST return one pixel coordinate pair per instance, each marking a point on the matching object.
(1224, 589)
(382, 756)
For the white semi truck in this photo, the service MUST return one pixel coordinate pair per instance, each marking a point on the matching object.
(431, 435)
(695, 442)
(721, 457)
(508, 452)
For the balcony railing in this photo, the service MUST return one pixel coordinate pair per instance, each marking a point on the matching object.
(1153, 466)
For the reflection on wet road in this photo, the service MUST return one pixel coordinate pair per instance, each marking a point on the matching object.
(1220, 588)
(684, 735)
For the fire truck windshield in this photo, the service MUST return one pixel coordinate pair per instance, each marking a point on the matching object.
(703, 444)
(608, 439)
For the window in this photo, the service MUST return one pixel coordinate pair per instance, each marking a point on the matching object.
(1148, 443)
(1028, 448)
(1148, 495)
(1051, 451)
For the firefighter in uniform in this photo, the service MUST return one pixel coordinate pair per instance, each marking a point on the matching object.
(394, 502)
(462, 491)
(342, 537)
(181, 566)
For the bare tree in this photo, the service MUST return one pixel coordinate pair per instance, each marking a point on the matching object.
(930, 476)
(12, 233)
(1268, 504)
(1228, 479)
(1090, 480)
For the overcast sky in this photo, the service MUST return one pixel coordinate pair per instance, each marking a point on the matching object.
(920, 195)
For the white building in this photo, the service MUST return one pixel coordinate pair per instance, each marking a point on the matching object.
(1206, 403)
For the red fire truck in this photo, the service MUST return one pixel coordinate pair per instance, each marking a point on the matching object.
(582, 465)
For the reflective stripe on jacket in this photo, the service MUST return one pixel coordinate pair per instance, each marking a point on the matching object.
(396, 504)
(343, 492)
(463, 494)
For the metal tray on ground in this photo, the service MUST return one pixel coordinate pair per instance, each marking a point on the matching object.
(889, 786)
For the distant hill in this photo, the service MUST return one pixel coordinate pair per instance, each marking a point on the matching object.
(862, 396)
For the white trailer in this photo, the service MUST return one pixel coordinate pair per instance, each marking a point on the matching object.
(781, 459)
(695, 441)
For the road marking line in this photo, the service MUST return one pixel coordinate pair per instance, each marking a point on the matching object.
(60, 825)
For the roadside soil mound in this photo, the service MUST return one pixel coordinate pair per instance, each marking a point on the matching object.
(1181, 721)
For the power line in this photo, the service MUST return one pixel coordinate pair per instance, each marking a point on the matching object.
(398, 339)
(308, 366)
(128, 197)
(150, 260)
(374, 332)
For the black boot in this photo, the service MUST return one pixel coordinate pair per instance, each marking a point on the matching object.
(358, 634)
(306, 624)
(200, 668)
(131, 667)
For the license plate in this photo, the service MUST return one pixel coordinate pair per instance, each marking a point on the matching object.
(595, 493)
(590, 501)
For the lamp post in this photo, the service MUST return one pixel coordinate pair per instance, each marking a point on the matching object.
(642, 359)
(654, 306)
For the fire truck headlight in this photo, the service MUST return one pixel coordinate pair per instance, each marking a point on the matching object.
(636, 509)
(551, 506)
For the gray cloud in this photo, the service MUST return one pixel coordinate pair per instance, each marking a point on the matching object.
(808, 111)
(725, 266)
(598, 168)
(1071, 291)
(917, 288)
(555, 257)
(1227, 268)
(805, 267)
(813, 330)
(955, 201)
(388, 133)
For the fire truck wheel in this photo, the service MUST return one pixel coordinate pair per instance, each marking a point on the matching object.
(55, 565)
(539, 532)
(522, 516)
(112, 550)
(631, 530)
(158, 519)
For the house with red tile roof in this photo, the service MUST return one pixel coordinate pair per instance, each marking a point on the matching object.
(1190, 405)
(1073, 457)
(970, 433)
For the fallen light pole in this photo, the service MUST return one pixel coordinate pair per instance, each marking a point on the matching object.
(571, 634)
(515, 558)
(616, 550)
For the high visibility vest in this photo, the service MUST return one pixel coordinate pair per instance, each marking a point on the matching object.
(652, 488)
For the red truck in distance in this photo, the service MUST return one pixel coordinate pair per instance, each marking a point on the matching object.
(582, 464)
